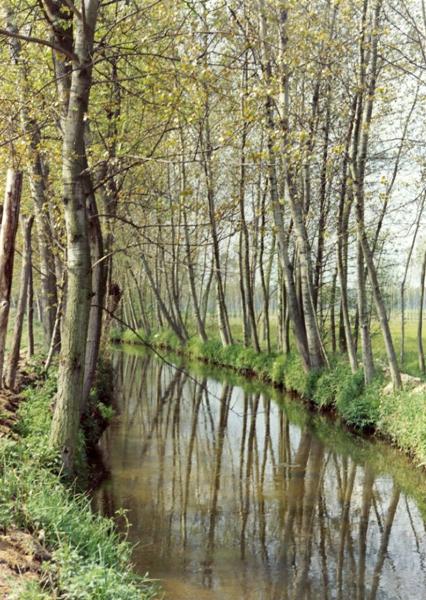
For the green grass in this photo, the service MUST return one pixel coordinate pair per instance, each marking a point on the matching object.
(39, 345)
(402, 416)
(90, 560)
(410, 364)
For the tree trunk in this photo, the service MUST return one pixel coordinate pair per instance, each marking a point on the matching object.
(9, 226)
(333, 313)
(223, 320)
(12, 366)
(420, 321)
(113, 301)
(66, 417)
(30, 311)
(189, 259)
(367, 354)
(377, 294)
(162, 307)
(56, 328)
(277, 209)
(94, 330)
(245, 238)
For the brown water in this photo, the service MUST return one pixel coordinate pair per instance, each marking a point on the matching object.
(241, 494)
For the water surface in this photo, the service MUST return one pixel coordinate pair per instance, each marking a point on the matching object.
(239, 493)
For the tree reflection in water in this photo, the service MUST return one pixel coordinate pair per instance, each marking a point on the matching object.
(229, 499)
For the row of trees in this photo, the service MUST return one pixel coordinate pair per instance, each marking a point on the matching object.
(245, 157)
(300, 145)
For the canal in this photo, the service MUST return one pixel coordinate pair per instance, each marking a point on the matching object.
(234, 491)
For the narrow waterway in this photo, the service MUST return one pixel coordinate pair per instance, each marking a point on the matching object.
(237, 492)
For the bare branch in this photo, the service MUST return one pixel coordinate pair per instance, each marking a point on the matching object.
(41, 42)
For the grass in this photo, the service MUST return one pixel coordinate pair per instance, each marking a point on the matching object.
(410, 364)
(39, 344)
(401, 417)
(90, 560)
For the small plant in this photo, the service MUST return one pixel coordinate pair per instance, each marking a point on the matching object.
(30, 590)
(295, 376)
(330, 382)
(279, 369)
(402, 416)
(107, 412)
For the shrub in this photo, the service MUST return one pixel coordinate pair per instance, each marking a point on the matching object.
(295, 376)
(278, 370)
(263, 364)
(245, 359)
(165, 338)
(106, 411)
(195, 347)
(130, 337)
(228, 355)
(357, 404)
(116, 333)
(211, 350)
(350, 387)
(329, 383)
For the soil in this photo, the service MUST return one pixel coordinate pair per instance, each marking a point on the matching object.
(21, 557)
(8, 405)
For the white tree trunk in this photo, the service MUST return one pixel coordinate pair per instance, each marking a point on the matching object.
(9, 225)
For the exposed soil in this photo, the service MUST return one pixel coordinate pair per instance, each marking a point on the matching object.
(8, 405)
(21, 557)
(9, 402)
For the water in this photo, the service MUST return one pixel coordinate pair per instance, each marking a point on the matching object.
(239, 493)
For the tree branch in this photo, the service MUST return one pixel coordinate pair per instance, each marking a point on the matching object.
(41, 42)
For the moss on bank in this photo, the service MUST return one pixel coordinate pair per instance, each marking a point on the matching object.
(88, 559)
(400, 417)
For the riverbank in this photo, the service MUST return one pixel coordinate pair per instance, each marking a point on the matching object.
(399, 417)
(52, 545)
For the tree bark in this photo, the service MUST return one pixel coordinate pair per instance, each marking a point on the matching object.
(189, 255)
(282, 238)
(13, 359)
(245, 238)
(30, 311)
(421, 353)
(367, 353)
(66, 417)
(8, 229)
(98, 276)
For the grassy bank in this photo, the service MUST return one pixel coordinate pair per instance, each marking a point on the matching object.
(400, 417)
(82, 555)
